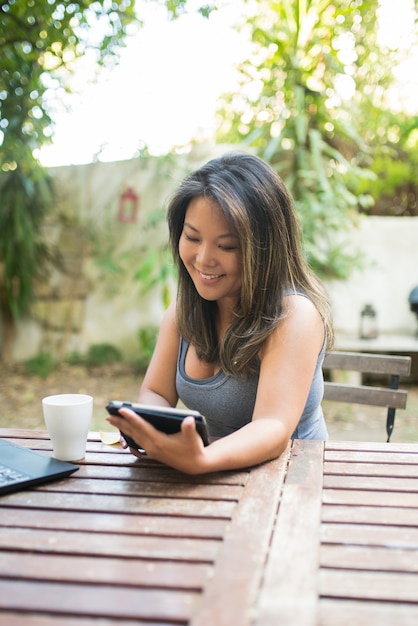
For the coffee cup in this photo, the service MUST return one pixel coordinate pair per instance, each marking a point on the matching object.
(67, 418)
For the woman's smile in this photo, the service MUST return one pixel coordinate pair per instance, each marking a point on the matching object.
(209, 277)
(210, 251)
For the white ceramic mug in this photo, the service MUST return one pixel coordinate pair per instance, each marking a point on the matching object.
(67, 418)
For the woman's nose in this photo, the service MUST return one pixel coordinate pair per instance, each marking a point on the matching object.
(205, 255)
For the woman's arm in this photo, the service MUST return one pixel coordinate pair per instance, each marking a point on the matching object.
(159, 384)
(287, 366)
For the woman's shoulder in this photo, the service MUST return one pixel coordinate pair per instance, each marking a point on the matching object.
(299, 309)
(301, 325)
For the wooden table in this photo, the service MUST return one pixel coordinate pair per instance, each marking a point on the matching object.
(325, 535)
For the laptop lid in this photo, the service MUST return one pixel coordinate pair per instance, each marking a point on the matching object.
(21, 467)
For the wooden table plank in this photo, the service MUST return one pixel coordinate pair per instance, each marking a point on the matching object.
(203, 528)
(97, 600)
(289, 593)
(371, 483)
(42, 619)
(372, 456)
(110, 486)
(61, 500)
(371, 535)
(392, 470)
(381, 515)
(347, 613)
(354, 497)
(371, 446)
(132, 572)
(230, 596)
(102, 544)
(362, 585)
(144, 472)
(372, 558)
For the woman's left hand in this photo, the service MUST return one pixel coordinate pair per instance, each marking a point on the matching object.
(184, 451)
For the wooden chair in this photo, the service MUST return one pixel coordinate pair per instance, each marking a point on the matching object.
(391, 397)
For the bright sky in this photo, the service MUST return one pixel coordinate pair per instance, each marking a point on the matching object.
(165, 89)
(163, 92)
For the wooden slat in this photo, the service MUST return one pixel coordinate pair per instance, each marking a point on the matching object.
(371, 469)
(382, 515)
(361, 585)
(198, 528)
(102, 544)
(346, 613)
(132, 505)
(42, 619)
(370, 535)
(373, 456)
(99, 486)
(370, 363)
(357, 394)
(354, 497)
(107, 570)
(371, 558)
(372, 483)
(97, 600)
(144, 473)
(289, 593)
(231, 593)
(372, 446)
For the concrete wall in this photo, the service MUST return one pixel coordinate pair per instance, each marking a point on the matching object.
(115, 307)
(390, 272)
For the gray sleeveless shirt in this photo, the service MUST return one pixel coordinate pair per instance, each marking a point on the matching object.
(228, 402)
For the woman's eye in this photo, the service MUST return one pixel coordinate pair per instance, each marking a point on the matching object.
(190, 238)
(228, 248)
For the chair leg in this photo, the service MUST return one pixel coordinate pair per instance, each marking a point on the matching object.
(390, 420)
(390, 423)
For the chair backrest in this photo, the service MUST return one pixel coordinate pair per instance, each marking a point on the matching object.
(391, 397)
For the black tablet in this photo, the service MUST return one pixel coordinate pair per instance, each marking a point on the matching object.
(166, 419)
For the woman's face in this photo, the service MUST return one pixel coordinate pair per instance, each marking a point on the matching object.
(210, 252)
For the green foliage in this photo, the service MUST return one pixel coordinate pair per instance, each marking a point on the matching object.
(25, 200)
(75, 358)
(41, 365)
(176, 8)
(147, 337)
(394, 137)
(40, 42)
(290, 108)
(102, 354)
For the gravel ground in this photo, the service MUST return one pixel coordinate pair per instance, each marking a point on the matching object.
(21, 397)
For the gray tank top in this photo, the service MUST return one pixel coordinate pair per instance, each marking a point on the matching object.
(228, 402)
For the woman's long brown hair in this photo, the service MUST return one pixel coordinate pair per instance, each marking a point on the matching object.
(259, 209)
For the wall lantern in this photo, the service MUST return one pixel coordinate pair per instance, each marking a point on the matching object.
(128, 206)
(368, 323)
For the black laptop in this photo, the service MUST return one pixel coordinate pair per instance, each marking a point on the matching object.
(21, 467)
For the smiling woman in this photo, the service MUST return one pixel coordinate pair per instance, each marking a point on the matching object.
(244, 341)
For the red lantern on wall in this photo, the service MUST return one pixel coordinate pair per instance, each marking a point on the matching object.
(128, 206)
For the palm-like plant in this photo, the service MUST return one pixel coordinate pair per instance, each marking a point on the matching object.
(291, 108)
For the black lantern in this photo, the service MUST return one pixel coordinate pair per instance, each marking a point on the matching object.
(368, 322)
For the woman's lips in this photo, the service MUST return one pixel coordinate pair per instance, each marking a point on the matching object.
(209, 277)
